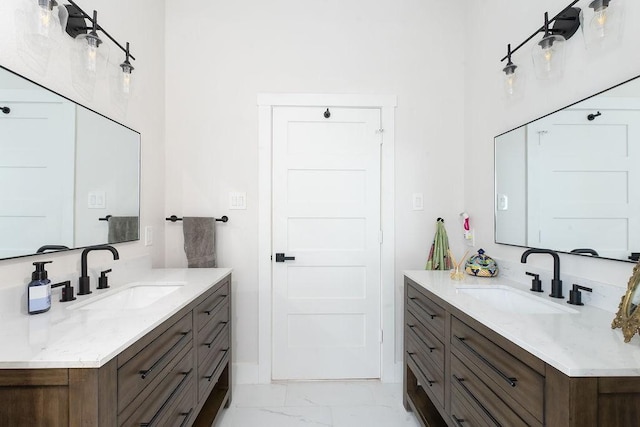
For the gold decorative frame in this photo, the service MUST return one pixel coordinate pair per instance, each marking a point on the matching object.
(629, 322)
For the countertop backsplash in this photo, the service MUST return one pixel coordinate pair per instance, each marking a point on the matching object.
(604, 296)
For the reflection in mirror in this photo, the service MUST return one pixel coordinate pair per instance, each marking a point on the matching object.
(62, 167)
(566, 181)
(634, 301)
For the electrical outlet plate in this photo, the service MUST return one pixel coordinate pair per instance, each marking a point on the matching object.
(97, 200)
(237, 200)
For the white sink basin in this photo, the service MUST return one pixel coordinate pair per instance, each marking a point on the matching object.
(133, 296)
(506, 298)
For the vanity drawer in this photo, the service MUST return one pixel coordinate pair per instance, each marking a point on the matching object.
(430, 376)
(213, 305)
(212, 333)
(508, 377)
(465, 413)
(180, 413)
(211, 338)
(148, 366)
(426, 311)
(176, 388)
(211, 366)
(480, 400)
(428, 344)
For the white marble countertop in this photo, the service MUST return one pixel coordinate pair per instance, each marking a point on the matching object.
(69, 337)
(579, 343)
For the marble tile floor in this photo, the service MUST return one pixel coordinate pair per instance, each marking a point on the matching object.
(318, 404)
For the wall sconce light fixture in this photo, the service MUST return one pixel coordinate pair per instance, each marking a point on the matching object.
(548, 53)
(91, 53)
(42, 23)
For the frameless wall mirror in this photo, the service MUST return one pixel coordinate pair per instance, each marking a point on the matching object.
(69, 177)
(569, 181)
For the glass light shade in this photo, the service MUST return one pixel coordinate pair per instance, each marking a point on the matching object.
(512, 83)
(88, 61)
(39, 31)
(603, 25)
(548, 57)
(125, 80)
(44, 20)
(91, 53)
(121, 85)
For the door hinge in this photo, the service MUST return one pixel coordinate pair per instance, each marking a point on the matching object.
(381, 336)
(380, 237)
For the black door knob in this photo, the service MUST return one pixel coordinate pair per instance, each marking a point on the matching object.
(282, 258)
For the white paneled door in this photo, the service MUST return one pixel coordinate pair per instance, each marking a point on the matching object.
(326, 215)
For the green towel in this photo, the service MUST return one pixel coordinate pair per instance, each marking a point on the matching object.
(439, 258)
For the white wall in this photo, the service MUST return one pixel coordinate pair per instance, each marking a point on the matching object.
(221, 54)
(491, 24)
(142, 23)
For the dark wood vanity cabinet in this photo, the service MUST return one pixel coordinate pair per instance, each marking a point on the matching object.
(179, 374)
(459, 373)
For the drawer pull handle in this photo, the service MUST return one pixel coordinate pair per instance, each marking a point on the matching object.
(431, 349)
(510, 380)
(431, 382)
(186, 416)
(215, 335)
(213, 309)
(457, 420)
(475, 399)
(210, 377)
(169, 399)
(145, 373)
(422, 307)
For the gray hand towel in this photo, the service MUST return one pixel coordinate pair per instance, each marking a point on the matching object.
(123, 229)
(199, 241)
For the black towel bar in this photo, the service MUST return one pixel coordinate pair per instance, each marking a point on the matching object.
(174, 218)
(106, 218)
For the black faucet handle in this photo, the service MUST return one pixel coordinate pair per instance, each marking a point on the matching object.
(575, 296)
(103, 280)
(536, 284)
(67, 291)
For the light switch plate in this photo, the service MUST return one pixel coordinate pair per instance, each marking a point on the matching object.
(148, 235)
(237, 200)
(503, 202)
(418, 202)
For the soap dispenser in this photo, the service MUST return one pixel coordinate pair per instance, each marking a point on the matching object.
(39, 289)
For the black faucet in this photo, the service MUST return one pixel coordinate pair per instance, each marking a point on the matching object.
(556, 283)
(44, 248)
(84, 287)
